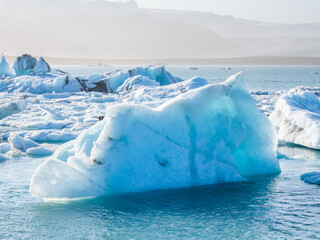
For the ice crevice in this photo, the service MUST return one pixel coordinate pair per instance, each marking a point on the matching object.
(192, 152)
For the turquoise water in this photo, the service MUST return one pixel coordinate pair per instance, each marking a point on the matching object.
(274, 207)
(280, 206)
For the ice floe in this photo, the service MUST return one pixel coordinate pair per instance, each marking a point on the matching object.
(297, 117)
(39, 151)
(21, 144)
(12, 107)
(312, 177)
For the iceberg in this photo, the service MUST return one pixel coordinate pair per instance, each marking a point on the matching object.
(297, 118)
(42, 67)
(207, 135)
(24, 64)
(4, 66)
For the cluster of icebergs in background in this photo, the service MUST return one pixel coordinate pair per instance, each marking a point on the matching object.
(142, 129)
(107, 83)
(24, 65)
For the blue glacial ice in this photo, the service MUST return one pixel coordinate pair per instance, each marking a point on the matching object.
(24, 64)
(4, 66)
(311, 177)
(42, 67)
(186, 134)
(297, 117)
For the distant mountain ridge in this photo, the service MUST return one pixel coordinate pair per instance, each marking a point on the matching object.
(117, 30)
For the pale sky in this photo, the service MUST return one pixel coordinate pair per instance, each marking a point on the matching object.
(96, 29)
(284, 11)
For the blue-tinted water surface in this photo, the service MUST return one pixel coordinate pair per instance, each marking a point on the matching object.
(256, 77)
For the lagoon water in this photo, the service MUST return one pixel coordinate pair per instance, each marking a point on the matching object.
(256, 77)
(273, 207)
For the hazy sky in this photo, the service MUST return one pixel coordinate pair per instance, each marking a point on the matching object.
(285, 11)
(97, 29)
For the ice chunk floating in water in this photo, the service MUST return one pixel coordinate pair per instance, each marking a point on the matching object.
(297, 118)
(212, 134)
(312, 177)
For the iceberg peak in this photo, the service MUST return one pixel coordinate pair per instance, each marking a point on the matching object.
(4, 66)
(42, 67)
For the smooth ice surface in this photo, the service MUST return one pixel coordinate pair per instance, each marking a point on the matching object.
(38, 151)
(211, 134)
(297, 117)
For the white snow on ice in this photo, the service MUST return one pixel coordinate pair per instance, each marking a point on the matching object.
(297, 117)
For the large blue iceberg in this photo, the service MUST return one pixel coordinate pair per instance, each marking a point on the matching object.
(211, 134)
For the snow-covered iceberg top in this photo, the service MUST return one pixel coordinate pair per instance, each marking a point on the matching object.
(297, 117)
(211, 134)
